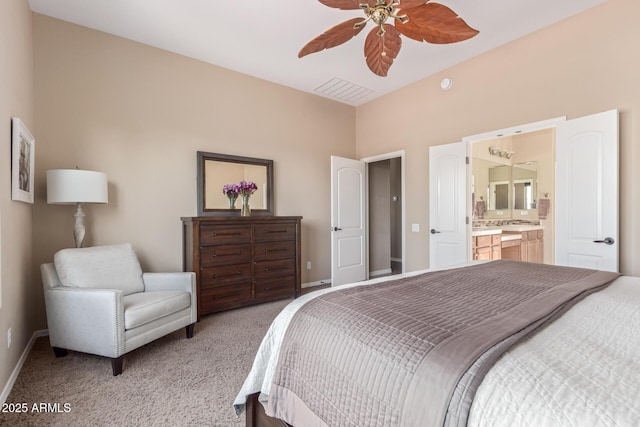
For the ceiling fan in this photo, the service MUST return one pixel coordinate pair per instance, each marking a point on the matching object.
(420, 20)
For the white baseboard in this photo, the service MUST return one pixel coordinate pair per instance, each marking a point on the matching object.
(318, 283)
(379, 272)
(18, 368)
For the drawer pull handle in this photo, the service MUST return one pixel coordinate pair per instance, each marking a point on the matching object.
(227, 254)
(274, 250)
(238, 273)
(233, 233)
(274, 231)
(276, 269)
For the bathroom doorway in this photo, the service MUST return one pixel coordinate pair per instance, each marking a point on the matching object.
(385, 217)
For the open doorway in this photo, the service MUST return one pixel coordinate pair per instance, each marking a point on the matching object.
(385, 217)
(351, 230)
(513, 186)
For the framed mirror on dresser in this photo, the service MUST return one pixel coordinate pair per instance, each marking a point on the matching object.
(214, 171)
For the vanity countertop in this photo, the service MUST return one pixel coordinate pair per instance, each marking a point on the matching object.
(510, 228)
(508, 237)
(521, 227)
(485, 231)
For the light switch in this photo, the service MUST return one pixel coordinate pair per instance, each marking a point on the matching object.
(415, 228)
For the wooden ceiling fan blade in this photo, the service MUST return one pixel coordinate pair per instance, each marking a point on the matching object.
(333, 37)
(410, 29)
(381, 50)
(408, 4)
(437, 23)
(347, 4)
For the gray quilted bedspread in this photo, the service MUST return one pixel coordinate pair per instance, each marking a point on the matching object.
(399, 353)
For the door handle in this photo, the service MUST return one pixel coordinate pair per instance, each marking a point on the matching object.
(606, 241)
(434, 231)
(336, 229)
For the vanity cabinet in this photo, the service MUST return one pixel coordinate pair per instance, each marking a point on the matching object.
(511, 249)
(487, 247)
(242, 261)
(531, 245)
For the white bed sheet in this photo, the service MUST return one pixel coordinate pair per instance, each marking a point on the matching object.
(581, 370)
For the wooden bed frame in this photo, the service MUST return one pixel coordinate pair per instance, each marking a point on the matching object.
(256, 417)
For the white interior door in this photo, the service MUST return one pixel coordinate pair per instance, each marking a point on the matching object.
(448, 242)
(348, 245)
(587, 192)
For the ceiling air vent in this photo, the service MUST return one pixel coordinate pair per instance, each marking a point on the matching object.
(342, 90)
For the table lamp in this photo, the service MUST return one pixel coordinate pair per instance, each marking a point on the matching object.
(68, 186)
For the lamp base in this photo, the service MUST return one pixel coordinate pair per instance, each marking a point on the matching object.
(78, 228)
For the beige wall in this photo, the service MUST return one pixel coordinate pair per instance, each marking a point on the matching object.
(20, 296)
(140, 114)
(584, 65)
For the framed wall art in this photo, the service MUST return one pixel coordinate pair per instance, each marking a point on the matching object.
(22, 162)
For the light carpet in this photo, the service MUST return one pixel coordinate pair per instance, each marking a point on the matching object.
(172, 381)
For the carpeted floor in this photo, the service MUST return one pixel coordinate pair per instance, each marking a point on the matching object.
(170, 382)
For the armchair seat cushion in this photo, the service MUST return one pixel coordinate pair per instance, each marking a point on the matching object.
(145, 307)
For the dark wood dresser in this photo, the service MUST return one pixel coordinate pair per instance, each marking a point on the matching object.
(242, 261)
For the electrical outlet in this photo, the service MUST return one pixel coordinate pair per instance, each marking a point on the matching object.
(308, 265)
(9, 338)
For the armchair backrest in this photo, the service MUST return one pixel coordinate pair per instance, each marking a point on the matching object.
(50, 278)
(100, 267)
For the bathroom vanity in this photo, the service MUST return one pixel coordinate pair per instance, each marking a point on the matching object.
(521, 242)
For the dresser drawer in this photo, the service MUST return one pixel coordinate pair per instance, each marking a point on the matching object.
(275, 250)
(224, 297)
(265, 231)
(275, 288)
(225, 275)
(218, 234)
(224, 254)
(277, 268)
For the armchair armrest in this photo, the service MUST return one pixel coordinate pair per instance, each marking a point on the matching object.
(86, 320)
(169, 282)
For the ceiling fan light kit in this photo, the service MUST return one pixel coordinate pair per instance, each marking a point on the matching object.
(420, 20)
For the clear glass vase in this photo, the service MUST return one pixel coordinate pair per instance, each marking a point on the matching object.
(232, 202)
(246, 209)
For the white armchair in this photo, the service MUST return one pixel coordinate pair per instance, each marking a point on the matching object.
(98, 301)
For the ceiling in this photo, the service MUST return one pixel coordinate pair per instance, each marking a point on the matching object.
(263, 38)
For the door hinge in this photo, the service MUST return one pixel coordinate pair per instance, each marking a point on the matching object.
(467, 220)
(467, 159)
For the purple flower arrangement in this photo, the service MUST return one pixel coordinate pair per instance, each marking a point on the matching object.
(244, 189)
(231, 190)
(247, 188)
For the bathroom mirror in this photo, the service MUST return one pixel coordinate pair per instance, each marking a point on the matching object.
(499, 180)
(492, 188)
(525, 177)
(217, 170)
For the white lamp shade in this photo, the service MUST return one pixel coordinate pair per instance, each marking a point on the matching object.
(76, 186)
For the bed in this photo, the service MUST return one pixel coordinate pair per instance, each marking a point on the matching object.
(502, 343)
